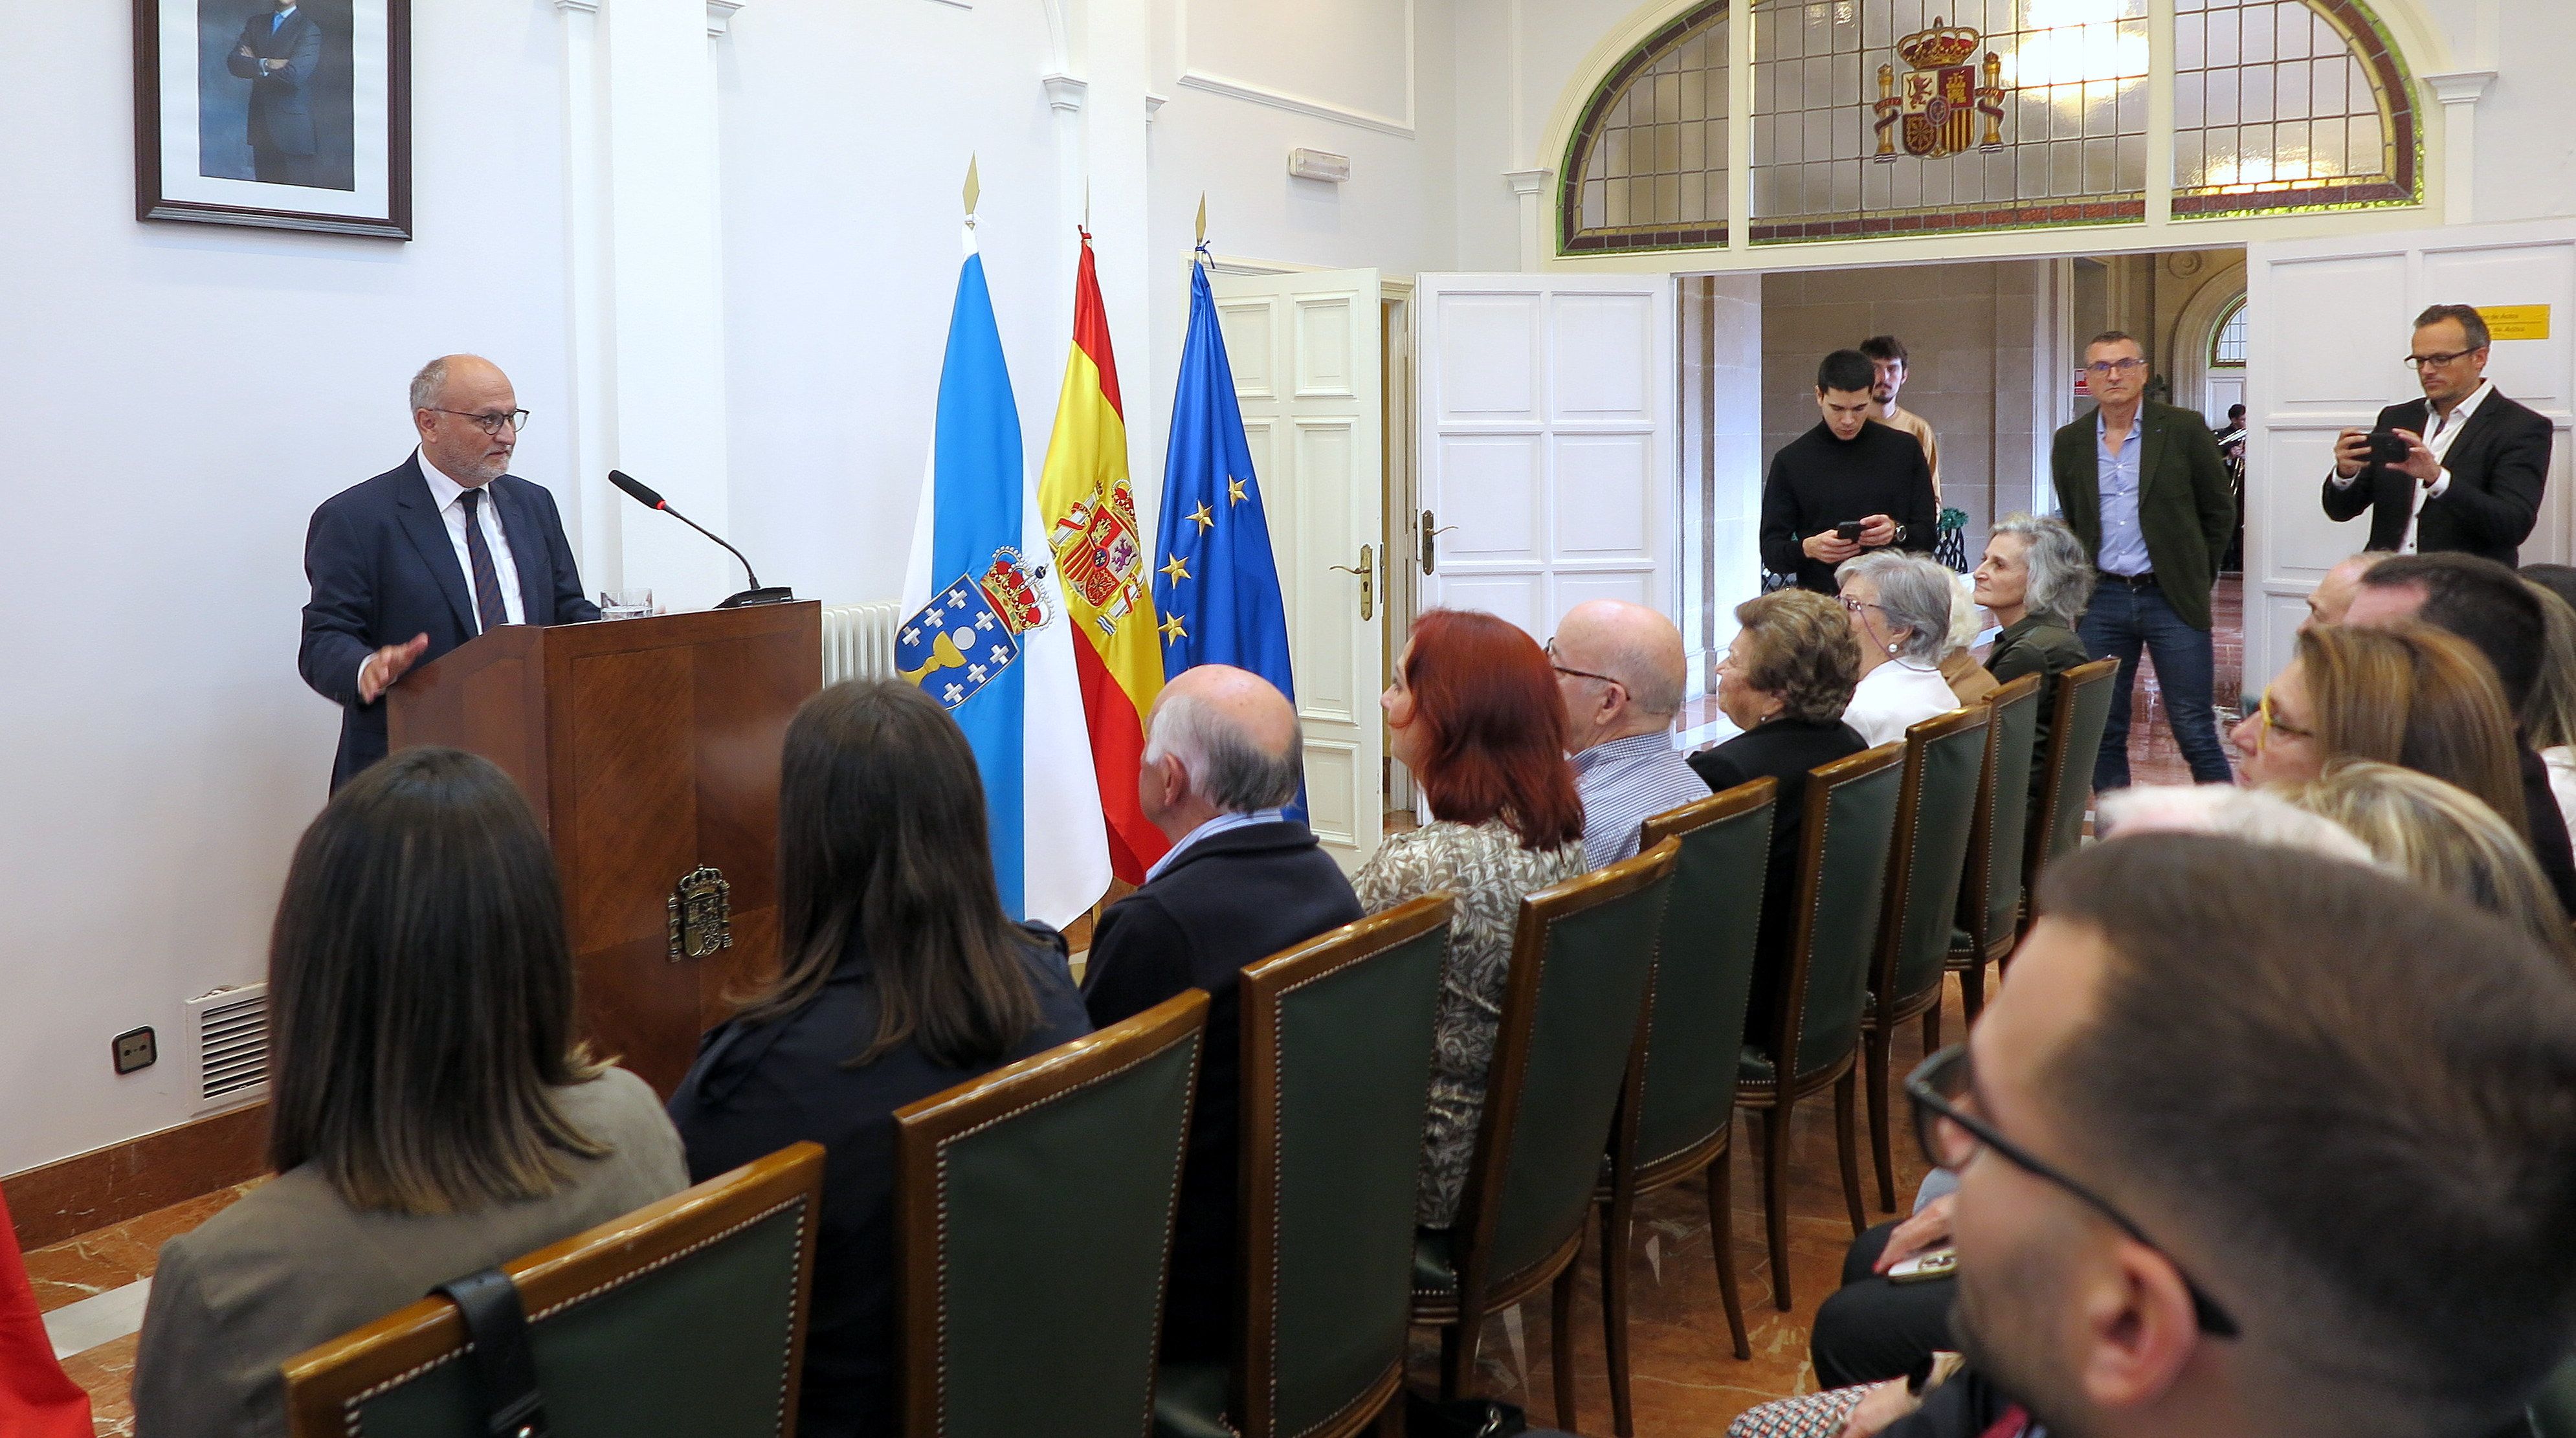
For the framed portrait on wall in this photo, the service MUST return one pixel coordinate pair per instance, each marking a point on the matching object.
(289, 114)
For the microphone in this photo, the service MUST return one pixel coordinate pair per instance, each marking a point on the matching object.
(644, 495)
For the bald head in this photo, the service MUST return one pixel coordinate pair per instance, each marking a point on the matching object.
(452, 399)
(2332, 598)
(1630, 671)
(1222, 741)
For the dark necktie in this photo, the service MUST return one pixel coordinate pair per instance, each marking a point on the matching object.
(487, 579)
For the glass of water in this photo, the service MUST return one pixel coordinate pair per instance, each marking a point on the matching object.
(625, 603)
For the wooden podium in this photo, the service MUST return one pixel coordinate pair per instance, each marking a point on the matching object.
(650, 749)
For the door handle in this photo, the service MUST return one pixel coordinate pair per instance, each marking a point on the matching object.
(1367, 571)
(1431, 529)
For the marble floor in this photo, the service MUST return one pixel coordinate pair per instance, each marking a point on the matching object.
(96, 1277)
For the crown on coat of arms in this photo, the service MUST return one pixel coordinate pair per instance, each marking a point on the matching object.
(1013, 593)
(1938, 46)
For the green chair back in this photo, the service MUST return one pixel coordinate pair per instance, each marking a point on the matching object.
(1851, 818)
(686, 1317)
(2003, 812)
(1336, 1083)
(2074, 740)
(1034, 1211)
(1703, 968)
(1936, 809)
(2553, 1408)
(1574, 1011)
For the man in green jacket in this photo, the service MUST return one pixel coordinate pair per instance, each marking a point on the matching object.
(2142, 484)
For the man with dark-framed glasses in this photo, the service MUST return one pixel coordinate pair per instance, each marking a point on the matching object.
(431, 553)
(2462, 469)
(2256, 1142)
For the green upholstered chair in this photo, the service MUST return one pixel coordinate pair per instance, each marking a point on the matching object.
(2553, 1408)
(1033, 1213)
(2074, 742)
(1565, 1056)
(686, 1317)
(1815, 1017)
(1686, 1103)
(1990, 886)
(1336, 1081)
(1936, 808)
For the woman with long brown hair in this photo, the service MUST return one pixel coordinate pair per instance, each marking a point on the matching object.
(1474, 714)
(899, 976)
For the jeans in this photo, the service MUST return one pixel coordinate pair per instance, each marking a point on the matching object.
(2122, 621)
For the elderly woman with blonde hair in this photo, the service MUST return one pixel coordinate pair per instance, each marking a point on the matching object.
(2443, 837)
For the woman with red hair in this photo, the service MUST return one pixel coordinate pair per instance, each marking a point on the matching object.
(1474, 713)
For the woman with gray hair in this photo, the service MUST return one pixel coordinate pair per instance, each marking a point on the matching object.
(1900, 612)
(2035, 581)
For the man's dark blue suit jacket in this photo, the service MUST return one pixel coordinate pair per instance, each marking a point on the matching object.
(383, 570)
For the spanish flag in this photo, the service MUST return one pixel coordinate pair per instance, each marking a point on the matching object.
(1090, 512)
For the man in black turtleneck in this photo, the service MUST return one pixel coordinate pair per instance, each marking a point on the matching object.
(1847, 470)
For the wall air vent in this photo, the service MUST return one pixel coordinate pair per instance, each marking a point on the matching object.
(230, 1030)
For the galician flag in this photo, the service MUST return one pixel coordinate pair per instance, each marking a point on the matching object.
(987, 636)
(1217, 584)
(1100, 562)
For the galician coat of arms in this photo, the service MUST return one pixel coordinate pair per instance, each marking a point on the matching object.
(969, 631)
(1940, 99)
(1098, 556)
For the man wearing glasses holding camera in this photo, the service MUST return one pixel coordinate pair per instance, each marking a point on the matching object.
(2461, 469)
(2142, 484)
(431, 553)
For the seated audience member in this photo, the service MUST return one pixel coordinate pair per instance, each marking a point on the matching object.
(1242, 881)
(1620, 671)
(2409, 695)
(1784, 681)
(2035, 581)
(1474, 714)
(2549, 718)
(1900, 613)
(2488, 605)
(2332, 598)
(1969, 681)
(899, 976)
(2443, 838)
(430, 1114)
(2229, 1166)
(37, 1399)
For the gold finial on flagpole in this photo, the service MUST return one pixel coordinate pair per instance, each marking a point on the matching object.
(974, 189)
(1202, 217)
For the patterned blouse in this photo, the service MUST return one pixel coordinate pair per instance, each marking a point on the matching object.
(1488, 872)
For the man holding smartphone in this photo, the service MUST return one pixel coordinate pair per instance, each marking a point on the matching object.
(2461, 469)
(1847, 486)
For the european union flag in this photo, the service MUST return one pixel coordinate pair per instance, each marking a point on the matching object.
(1215, 583)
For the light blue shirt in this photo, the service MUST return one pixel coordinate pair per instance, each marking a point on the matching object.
(1624, 783)
(2124, 540)
(1209, 830)
(278, 21)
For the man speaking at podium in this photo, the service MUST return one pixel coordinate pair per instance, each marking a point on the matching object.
(431, 553)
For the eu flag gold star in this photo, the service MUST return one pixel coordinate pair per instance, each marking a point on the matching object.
(1206, 521)
(1234, 494)
(1176, 571)
(1173, 633)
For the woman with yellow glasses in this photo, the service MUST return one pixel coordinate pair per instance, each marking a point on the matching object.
(2408, 695)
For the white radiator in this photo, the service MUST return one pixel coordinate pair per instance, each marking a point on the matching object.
(858, 641)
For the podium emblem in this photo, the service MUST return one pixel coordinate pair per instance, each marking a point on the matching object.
(970, 631)
(701, 912)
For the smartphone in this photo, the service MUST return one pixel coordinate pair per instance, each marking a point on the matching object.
(2387, 446)
(1849, 530)
(1922, 1267)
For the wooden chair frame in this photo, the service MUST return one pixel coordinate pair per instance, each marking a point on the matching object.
(1985, 946)
(1776, 1100)
(326, 1384)
(1460, 1316)
(1887, 1008)
(2043, 843)
(1649, 1173)
(924, 1129)
(1264, 984)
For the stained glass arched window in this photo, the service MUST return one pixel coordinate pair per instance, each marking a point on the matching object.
(1646, 169)
(2288, 105)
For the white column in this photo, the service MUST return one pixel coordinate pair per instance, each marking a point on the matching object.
(2459, 91)
(1065, 96)
(1115, 115)
(648, 290)
(1533, 189)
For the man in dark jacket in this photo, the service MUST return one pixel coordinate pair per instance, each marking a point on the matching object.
(1847, 486)
(2476, 462)
(1242, 881)
(2143, 486)
(278, 52)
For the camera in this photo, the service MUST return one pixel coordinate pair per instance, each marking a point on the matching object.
(2388, 447)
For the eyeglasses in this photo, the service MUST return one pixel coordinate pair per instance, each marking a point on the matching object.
(1857, 605)
(1941, 1082)
(2423, 362)
(2272, 722)
(2112, 367)
(516, 419)
(1578, 673)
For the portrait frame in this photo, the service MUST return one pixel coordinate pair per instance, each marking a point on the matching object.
(316, 139)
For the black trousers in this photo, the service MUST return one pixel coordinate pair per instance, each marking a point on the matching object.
(1871, 1330)
(276, 167)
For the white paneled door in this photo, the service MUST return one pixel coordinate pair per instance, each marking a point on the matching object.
(1545, 426)
(2328, 323)
(1305, 353)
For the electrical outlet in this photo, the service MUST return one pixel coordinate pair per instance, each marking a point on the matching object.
(136, 1049)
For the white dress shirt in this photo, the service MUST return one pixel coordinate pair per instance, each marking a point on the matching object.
(1895, 697)
(2437, 439)
(444, 493)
